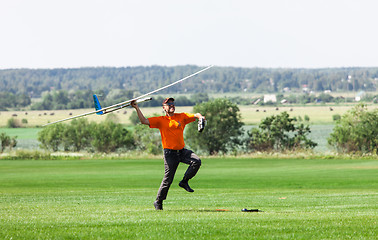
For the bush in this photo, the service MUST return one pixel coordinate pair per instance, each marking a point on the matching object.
(134, 119)
(7, 141)
(147, 140)
(356, 131)
(109, 136)
(223, 131)
(278, 132)
(336, 117)
(82, 135)
(13, 123)
(77, 136)
(51, 137)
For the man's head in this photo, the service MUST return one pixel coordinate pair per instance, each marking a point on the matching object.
(169, 106)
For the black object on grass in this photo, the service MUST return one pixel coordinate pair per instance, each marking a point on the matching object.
(250, 210)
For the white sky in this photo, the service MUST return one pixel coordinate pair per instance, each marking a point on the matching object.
(250, 33)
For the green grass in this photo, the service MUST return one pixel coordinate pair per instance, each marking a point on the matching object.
(26, 137)
(22, 133)
(112, 199)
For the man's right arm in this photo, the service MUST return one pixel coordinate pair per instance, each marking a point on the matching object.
(141, 117)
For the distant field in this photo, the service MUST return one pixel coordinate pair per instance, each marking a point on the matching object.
(317, 114)
(22, 133)
(112, 199)
(26, 137)
(38, 118)
(253, 95)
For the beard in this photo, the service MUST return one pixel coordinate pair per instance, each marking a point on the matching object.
(170, 110)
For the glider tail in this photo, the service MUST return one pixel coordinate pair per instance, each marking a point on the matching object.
(97, 105)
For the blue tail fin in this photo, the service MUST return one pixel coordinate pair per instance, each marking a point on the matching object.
(97, 104)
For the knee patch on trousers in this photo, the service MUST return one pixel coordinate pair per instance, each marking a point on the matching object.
(196, 164)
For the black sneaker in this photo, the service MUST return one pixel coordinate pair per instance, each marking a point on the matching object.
(185, 185)
(158, 205)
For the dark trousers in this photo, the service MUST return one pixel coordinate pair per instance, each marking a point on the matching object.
(172, 158)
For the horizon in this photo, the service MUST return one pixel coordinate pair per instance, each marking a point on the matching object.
(215, 66)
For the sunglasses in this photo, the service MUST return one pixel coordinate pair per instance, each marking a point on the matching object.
(170, 104)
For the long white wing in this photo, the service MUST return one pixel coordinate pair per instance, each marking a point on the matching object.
(127, 103)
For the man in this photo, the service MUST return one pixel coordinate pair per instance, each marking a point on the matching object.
(171, 128)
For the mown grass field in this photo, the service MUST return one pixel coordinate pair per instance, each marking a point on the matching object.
(112, 199)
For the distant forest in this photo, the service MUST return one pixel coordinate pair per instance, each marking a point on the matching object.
(143, 79)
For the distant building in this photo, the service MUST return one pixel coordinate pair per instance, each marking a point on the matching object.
(257, 101)
(286, 89)
(359, 96)
(270, 98)
(305, 90)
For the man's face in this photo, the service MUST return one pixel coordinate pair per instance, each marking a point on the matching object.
(169, 107)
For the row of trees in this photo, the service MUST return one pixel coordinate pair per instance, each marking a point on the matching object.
(56, 100)
(356, 131)
(10, 100)
(83, 99)
(34, 82)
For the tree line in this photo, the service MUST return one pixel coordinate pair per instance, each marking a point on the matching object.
(60, 100)
(10, 100)
(142, 79)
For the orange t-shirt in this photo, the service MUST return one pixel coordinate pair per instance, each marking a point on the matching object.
(172, 132)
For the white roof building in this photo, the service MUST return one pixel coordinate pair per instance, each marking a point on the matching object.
(270, 98)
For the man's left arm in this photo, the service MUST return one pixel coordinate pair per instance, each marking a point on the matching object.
(190, 117)
(198, 115)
